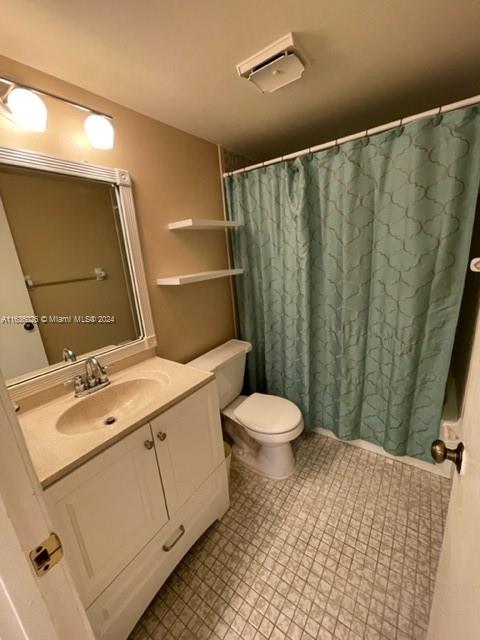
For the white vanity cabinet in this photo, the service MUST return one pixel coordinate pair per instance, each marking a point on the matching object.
(188, 445)
(108, 509)
(127, 516)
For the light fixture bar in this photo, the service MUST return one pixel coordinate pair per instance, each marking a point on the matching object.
(78, 105)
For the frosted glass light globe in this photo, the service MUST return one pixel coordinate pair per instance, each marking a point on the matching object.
(99, 131)
(28, 109)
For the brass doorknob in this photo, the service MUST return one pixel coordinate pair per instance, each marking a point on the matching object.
(440, 453)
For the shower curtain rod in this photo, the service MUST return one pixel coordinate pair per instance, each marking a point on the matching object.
(361, 134)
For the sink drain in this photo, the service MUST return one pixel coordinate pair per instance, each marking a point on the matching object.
(110, 420)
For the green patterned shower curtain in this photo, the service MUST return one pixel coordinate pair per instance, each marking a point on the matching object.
(355, 260)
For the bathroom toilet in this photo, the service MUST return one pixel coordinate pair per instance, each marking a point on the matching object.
(261, 426)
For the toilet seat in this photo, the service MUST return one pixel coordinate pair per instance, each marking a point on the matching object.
(268, 414)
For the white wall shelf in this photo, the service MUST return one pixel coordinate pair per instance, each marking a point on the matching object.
(198, 277)
(203, 224)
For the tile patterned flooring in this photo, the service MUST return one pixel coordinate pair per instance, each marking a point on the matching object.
(347, 548)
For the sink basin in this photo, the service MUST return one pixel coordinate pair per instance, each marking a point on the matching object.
(111, 405)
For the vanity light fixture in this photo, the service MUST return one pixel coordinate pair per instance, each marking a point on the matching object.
(27, 109)
(99, 131)
(23, 105)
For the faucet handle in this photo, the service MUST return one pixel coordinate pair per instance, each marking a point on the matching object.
(78, 383)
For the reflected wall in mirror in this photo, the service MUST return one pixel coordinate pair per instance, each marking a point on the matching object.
(64, 275)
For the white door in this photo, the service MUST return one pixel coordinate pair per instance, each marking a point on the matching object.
(455, 609)
(20, 350)
(188, 440)
(107, 510)
(31, 607)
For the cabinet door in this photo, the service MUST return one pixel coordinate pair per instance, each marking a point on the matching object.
(107, 510)
(189, 444)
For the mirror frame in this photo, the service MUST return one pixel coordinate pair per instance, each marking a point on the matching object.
(55, 374)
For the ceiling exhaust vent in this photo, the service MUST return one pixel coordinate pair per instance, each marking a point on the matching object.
(273, 67)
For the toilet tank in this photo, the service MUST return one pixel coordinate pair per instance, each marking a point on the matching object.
(228, 363)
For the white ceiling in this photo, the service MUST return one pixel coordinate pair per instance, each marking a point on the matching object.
(367, 62)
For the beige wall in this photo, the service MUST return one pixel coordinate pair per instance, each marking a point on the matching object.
(175, 176)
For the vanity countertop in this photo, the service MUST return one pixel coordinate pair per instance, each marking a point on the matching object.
(56, 451)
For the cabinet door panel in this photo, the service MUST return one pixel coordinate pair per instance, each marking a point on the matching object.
(107, 510)
(115, 612)
(189, 445)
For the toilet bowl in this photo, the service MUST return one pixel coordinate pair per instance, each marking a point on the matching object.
(270, 424)
(262, 426)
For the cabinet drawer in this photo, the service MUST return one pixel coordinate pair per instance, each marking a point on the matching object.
(116, 611)
(107, 510)
(189, 445)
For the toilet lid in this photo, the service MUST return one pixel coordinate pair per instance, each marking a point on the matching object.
(268, 414)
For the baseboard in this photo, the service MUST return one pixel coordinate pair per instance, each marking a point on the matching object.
(439, 470)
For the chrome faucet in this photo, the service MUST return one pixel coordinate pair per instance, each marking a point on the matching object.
(94, 378)
(68, 355)
(96, 373)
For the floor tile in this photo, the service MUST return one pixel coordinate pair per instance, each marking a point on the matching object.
(347, 548)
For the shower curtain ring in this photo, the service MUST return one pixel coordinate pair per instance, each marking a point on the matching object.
(366, 138)
(399, 130)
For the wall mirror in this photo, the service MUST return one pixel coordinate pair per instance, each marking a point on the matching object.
(71, 274)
